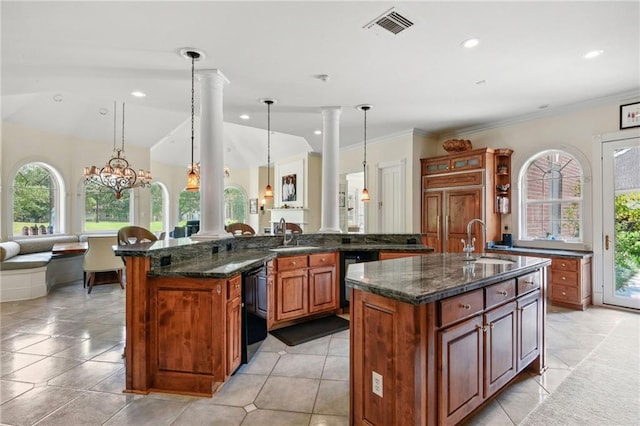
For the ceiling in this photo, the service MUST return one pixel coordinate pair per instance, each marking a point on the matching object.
(64, 64)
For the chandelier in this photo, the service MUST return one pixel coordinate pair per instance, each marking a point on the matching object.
(116, 174)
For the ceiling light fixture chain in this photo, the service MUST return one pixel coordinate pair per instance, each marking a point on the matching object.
(268, 191)
(193, 175)
(116, 174)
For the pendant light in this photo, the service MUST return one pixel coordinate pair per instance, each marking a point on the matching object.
(365, 192)
(268, 191)
(193, 175)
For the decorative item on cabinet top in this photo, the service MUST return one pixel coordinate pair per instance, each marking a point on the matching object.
(456, 145)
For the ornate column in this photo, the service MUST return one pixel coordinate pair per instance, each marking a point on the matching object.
(211, 156)
(330, 219)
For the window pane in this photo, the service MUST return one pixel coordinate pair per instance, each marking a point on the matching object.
(102, 211)
(235, 205)
(156, 208)
(33, 201)
(188, 206)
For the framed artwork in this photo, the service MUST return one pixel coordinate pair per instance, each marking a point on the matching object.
(289, 184)
(253, 206)
(630, 115)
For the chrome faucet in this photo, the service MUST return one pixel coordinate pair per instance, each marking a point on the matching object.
(470, 245)
(283, 226)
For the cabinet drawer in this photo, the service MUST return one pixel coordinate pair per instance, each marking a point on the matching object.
(458, 307)
(291, 262)
(564, 277)
(561, 264)
(497, 294)
(234, 287)
(322, 259)
(564, 293)
(529, 282)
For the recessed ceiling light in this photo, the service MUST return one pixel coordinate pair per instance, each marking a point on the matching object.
(244, 116)
(317, 132)
(545, 106)
(103, 111)
(138, 94)
(471, 42)
(593, 54)
(57, 98)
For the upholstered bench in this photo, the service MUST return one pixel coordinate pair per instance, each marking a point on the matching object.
(28, 270)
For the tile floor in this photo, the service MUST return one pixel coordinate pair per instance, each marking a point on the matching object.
(61, 365)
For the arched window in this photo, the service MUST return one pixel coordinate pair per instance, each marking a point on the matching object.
(37, 208)
(552, 198)
(102, 211)
(159, 207)
(188, 207)
(235, 205)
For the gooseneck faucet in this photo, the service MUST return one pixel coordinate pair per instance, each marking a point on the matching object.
(469, 246)
(283, 227)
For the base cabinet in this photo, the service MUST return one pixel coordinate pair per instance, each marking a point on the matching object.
(301, 286)
(437, 363)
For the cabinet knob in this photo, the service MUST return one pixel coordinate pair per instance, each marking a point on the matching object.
(465, 306)
(564, 293)
(502, 293)
(237, 285)
(563, 264)
(322, 260)
(293, 263)
(564, 278)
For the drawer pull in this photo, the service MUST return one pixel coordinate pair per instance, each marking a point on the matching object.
(237, 285)
(502, 293)
(563, 264)
(465, 306)
(483, 328)
(529, 282)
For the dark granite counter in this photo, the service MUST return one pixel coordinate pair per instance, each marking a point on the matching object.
(184, 257)
(424, 279)
(541, 252)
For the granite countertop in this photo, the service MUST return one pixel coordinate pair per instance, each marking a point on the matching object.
(424, 279)
(542, 252)
(227, 263)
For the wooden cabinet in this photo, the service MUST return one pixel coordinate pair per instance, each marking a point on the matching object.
(455, 194)
(234, 324)
(438, 362)
(384, 255)
(502, 172)
(570, 282)
(301, 286)
(194, 333)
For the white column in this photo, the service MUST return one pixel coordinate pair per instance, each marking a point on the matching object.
(211, 156)
(330, 219)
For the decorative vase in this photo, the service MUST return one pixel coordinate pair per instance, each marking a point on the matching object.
(456, 145)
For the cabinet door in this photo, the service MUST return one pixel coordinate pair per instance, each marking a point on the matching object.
(432, 219)
(234, 343)
(291, 294)
(461, 360)
(529, 329)
(500, 347)
(261, 300)
(462, 206)
(322, 289)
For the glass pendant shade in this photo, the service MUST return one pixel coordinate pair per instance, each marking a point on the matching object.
(268, 192)
(365, 196)
(193, 181)
(365, 192)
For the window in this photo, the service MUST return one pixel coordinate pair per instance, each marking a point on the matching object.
(235, 205)
(188, 207)
(552, 198)
(159, 207)
(36, 199)
(102, 211)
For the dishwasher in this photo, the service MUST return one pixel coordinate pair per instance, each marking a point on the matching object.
(254, 322)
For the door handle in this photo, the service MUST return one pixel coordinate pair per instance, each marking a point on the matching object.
(606, 242)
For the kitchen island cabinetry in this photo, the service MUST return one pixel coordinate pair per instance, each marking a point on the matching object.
(435, 343)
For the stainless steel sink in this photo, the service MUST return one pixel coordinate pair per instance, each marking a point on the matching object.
(494, 261)
(292, 248)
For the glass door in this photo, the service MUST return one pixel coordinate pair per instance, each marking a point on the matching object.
(621, 222)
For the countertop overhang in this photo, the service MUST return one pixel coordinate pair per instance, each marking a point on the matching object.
(423, 279)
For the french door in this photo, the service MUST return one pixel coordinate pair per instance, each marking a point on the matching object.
(621, 222)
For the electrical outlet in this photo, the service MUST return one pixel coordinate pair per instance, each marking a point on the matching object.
(377, 383)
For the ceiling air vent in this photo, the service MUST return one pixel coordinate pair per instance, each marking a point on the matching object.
(391, 23)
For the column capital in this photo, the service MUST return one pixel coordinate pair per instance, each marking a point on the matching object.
(213, 72)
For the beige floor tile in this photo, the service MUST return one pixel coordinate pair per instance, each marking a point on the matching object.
(288, 394)
(315, 347)
(115, 383)
(327, 420)
(298, 365)
(12, 361)
(22, 340)
(261, 363)
(85, 375)
(336, 368)
(339, 347)
(240, 390)
(491, 415)
(333, 398)
(51, 346)
(42, 370)
(9, 390)
(87, 349)
(148, 412)
(90, 408)
(35, 404)
(273, 418)
(203, 413)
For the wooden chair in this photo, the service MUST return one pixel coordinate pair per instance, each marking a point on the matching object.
(135, 235)
(242, 227)
(293, 227)
(100, 257)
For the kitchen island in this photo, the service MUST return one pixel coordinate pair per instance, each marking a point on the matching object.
(435, 337)
(186, 300)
